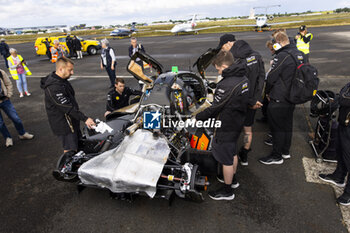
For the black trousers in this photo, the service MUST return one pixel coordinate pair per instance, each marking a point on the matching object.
(71, 51)
(70, 141)
(280, 118)
(111, 74)
(343, 155)
(264, 107)
(6, 62)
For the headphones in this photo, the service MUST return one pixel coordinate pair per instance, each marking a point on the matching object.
(276, 46)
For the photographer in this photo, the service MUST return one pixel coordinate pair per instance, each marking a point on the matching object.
(56, 51)
(343, 148)
(6, 91)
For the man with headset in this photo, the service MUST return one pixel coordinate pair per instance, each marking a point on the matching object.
(280, 110)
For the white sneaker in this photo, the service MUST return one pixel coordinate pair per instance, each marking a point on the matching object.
(9, 142)
(26, 136)
(21, 95)
(27, 93)
(286, 156)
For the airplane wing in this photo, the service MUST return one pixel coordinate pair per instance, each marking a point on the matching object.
(300, 21)
(254, 25)
(162, 30)
(146, 29)
(198, 29)
(241, 25)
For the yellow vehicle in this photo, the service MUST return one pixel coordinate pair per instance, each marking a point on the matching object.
(89, 46)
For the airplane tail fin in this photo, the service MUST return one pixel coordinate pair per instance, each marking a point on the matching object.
(193, 21)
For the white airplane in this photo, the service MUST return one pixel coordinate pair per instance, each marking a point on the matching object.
(186, 27)
(262, 21)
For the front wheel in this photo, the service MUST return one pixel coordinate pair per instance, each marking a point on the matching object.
(92, 50)
(62, 163)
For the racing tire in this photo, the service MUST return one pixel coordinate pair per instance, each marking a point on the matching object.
(193, 194)
(92, 50)
(60, 163)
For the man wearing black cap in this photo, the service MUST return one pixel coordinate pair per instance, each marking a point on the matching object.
(303, 41)
(255, 72)
(226, 42)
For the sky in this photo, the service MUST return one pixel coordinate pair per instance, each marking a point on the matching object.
(26, 13)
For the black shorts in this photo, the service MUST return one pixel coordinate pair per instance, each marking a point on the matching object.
(70, 141)
(249, 117)
(224, 152)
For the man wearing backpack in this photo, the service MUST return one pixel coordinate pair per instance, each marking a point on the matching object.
(280, 109)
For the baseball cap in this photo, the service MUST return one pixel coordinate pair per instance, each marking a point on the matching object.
(226, 38)
(302, 28)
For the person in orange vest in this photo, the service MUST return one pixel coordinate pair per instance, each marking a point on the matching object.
(57, 51)
(19, 70)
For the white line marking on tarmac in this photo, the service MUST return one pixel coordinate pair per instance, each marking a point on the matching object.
(313, 169)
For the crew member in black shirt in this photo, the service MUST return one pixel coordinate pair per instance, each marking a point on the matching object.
(119, 96)
(280, 110)
(61, 106)
(255, 72)
(230, 102)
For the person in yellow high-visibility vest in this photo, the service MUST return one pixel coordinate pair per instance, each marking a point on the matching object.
(303, 41)
(19, 70)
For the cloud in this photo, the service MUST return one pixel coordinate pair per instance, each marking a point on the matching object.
(344, 3)
(92, 12)
(36, 13)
